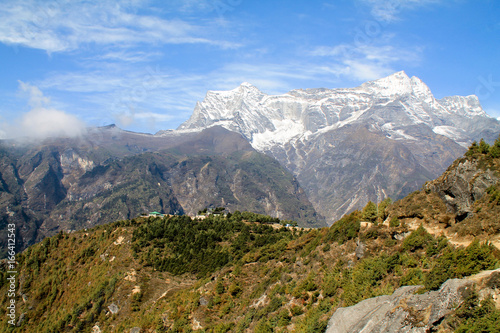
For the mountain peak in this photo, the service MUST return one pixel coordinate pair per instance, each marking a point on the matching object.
(396, 77)
(399, 75)
(421, 90)
(396, 84)
(248, 88)
(243, 88)
(268, 120)
(247, 85)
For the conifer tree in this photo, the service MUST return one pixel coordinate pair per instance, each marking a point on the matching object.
(495, 148)
(370, 212)
(484, 148)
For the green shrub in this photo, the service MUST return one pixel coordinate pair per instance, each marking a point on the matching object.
(460, 262)
(346, 228)
(296, 310)
(370, 212)
(394, 222)
(475, 316)
(235, 289)
(219, 288)
(414, 276)
(418, 239)
(284, 317)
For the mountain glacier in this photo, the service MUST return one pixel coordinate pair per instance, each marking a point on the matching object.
(319, 134)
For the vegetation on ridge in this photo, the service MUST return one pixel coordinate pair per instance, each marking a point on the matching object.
(233, 274)
(230, 274)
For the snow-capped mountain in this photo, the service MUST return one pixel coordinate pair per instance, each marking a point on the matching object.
(307, 129)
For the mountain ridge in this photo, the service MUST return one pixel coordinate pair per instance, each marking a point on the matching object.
(298, 126)
(111, 174)
(223, 106)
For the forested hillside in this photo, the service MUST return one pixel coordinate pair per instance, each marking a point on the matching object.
(224, 274)
(244, 272)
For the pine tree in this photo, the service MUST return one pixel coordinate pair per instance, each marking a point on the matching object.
(472, 149)
(370, 212)
(484, 148)
(495, 148)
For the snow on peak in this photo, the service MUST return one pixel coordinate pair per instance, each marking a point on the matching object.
(419, 87)
(273, 120)
(247, 85)
(468, 106)
(396, 84)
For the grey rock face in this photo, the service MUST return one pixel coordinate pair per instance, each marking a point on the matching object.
(461, 185)
(360, 249)
(113, 308)
(403, 311)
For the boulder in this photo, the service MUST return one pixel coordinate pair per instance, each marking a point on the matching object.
(406, 311)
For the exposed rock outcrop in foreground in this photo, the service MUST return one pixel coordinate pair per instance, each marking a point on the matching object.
(405, 311)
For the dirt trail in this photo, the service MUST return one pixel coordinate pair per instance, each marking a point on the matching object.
(437, 230)
(173, 288)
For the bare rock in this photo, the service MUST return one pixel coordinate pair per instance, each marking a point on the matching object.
(403, 311)
(360, 249)
(113, 308)
(461, 185)
(203, 301)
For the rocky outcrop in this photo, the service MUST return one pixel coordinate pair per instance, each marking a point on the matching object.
(406, 311)
(462, 184)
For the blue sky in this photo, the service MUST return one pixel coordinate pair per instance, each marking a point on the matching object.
(144, 64)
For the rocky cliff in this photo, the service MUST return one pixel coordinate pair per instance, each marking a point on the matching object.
(464, 183)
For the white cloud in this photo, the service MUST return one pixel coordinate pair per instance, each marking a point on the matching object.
(41, 121)
(366, 71)
(56, 26)
(46, 122)
(36, 98)
(127, 56)
(367, 62)
(145, 119)
(131, 95)
(389, 10)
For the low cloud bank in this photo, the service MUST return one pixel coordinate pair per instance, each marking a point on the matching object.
(41, 121)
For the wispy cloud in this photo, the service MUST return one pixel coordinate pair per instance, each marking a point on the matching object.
(128, 56)
(129, 94)
(367, 62)
(152, 96)
(41, 121)
(56, 26)
(389, 11)
(275, 78)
